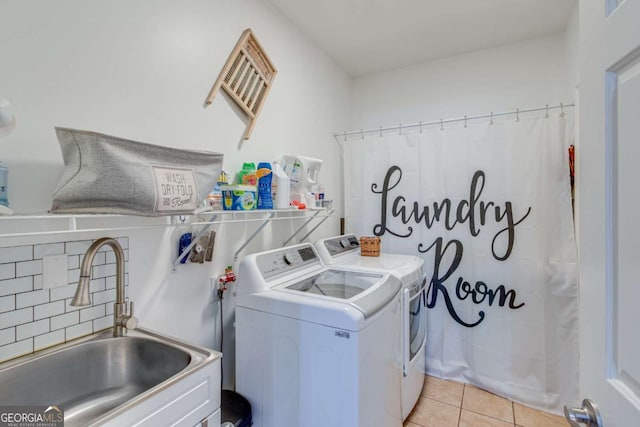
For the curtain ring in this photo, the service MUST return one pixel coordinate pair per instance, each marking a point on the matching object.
(380, 129)
(420, 126)
(441, 126)
(465, 120)
(517, 114)
(562, 114)
(400, 129)
(546, 109)
(361, 134)
(491, 119)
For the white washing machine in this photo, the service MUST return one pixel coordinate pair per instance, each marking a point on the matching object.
(344, 251)
(317, 346)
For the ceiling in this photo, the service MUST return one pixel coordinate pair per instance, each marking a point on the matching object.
(370, 36)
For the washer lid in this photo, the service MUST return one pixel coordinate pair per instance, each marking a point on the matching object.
(368, 292)
(337, 283)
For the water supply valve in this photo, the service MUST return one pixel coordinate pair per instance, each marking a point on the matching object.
(228, 277)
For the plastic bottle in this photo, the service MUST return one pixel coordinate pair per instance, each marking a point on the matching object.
(247, 175)
(4, 185)
(264, 175)
(280, 183)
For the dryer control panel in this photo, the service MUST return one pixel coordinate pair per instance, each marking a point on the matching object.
(286, 260)
(342, 244)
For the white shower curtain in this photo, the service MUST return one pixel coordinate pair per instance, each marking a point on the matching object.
(488, 206)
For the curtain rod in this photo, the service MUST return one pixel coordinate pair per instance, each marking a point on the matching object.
(400, 127)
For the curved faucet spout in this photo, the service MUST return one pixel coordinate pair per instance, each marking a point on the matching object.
(82, 296)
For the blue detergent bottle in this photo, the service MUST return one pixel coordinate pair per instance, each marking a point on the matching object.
(264, 174)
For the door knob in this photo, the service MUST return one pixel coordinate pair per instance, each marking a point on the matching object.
(588, 415)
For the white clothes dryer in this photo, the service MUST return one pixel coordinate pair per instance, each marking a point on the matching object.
(344, 251)
(317, 346)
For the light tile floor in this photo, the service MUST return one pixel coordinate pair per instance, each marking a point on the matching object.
(450, 404)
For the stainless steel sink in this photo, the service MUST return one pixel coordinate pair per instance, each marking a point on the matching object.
(99, 377)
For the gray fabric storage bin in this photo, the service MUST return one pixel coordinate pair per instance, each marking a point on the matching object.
(108, 175)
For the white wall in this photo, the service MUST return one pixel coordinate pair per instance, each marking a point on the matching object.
(520, 75)
(141, 70)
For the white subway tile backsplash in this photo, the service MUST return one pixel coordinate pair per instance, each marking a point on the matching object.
(16, 317)
(100, 258)
(37, 282)
(48, 310)
(73, 261)
(102, 323)
(104, 296)
(78, 330)
(78, 247)
(64, 320)
(14, 286)
(73, 275)
(7, 335)
(111, 282)
(92, 313)
(111, 256)
(48, 340)
(16, 349)
(97, 285)
(63, 292)
(28, 268)
(103, 271)
(68, 308)
(7, 303)
(7, 271)
(16, 253)
(34, 314)
(29, 299)
(40, 251)
(29, 330)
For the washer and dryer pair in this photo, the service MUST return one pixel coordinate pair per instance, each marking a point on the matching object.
(319, 345)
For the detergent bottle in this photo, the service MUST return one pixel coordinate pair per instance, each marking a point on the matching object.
(265, 176)
(280, 187)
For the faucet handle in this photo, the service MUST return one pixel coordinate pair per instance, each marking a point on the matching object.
(131, 322)
(127, 320)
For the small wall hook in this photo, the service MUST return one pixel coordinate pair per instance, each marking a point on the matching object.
(491, 119)
(400, 129)
(517, 114)
(465, 120)
(380, 129)
(441, 125)
(546, 109)
(562, 114)
(420, 126)
(345, 136)
(361, 133)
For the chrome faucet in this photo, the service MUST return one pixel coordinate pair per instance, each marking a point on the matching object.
(121, 319)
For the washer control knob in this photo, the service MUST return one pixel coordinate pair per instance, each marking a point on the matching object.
(288, 259)
(344, 243)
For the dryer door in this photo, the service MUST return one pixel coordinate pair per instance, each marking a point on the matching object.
(414, 323)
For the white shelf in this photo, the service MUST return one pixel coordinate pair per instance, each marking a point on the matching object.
(53, 224)
(45, 224)
(264, 216)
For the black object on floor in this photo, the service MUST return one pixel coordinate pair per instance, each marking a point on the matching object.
(235, 409)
